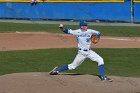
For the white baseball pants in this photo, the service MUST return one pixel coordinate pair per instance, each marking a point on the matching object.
(82, 55)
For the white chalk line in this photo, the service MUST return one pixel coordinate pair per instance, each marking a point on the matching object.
(110, 38)
(123, 39)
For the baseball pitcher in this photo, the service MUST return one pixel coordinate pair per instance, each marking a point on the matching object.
(84, 38)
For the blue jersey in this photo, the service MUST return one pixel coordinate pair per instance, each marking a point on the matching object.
(83, 38)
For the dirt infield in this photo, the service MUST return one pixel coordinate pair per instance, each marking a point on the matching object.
(66, 83)
(42, 40)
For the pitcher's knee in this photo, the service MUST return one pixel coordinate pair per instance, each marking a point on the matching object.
(71, 66)
(100, 62)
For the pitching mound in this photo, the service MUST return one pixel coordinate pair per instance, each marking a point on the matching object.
(43, 83)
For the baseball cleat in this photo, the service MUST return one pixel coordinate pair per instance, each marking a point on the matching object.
(53, 72)
(107, 79)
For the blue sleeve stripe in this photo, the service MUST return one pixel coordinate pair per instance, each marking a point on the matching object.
(66, 31)
(98, 35)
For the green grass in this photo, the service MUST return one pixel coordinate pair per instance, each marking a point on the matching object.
(26, 27)
(121, 31)
(118, 62)
(127, 31)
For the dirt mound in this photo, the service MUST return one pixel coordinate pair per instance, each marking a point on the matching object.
(43, 83)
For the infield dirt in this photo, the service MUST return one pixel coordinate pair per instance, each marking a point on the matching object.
(43, 40)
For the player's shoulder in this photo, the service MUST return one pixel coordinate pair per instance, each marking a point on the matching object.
(77, 30)
(91, 30)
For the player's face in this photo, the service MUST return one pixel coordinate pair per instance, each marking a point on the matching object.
(84, 28)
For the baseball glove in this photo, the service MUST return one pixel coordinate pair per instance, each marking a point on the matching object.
(94, 39)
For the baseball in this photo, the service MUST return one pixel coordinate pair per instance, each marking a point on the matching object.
(61, 25)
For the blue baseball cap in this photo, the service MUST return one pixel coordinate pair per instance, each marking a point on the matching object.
(83, 23)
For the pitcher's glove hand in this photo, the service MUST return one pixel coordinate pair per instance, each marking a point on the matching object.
(94, 39)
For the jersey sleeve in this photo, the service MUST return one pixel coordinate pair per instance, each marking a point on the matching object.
(70, 31)
(73, 32)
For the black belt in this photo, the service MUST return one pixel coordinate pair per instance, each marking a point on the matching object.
(84, 49)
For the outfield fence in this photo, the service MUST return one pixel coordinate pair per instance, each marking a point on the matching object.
(110, 11)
